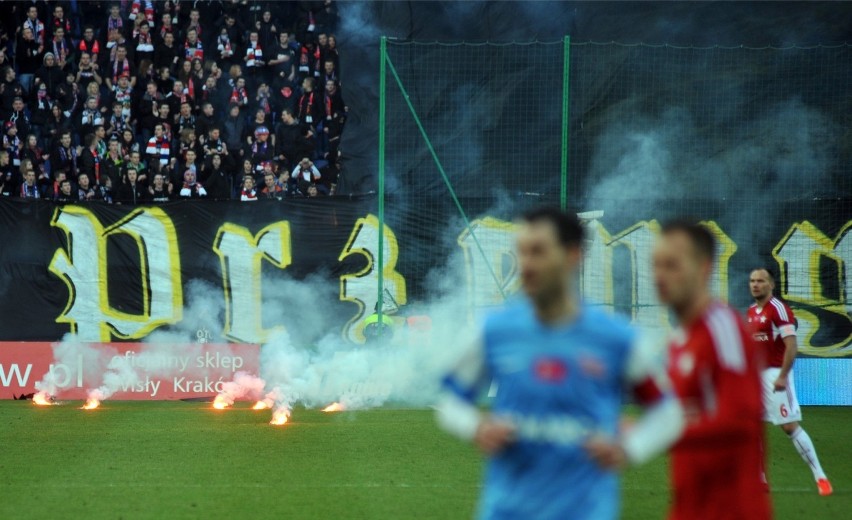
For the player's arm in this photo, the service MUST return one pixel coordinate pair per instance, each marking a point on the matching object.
(456, 410)
(661, 422)
(784, 322)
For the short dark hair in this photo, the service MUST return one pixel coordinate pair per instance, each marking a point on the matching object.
(768, 270)
(700, 237)
(569, 229)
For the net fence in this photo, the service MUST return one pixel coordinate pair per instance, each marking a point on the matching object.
(754, 142)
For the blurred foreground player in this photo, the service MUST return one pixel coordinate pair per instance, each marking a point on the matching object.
(718, 462)
(774, 330)
(561, 368)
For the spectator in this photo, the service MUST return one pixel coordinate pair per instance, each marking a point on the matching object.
(10, 177)
(49, 73)
(88, 45)
(216, 181)
(85, 191)
(55, 188)
(64, 191)
(63, 157)
(90, 160)
(60, 48)
(29, 188)
(56, 124)
(304, 174)
(13, 144)
(119, 66)
(248, 193)
(282, 60)
(192, 46)
(87, 71)
(143, 43)
(287, 134)
(335, 118)
(158, 147)
(271, 189)
(192, 189)
(234, 127)
(310, 105)
(134, 162)
(113, 163)
(205, 120)
(90, 116)
(27, 57)
(261, 150)
(166, 53)
(131, 191)
(214, 145)
(160, 191)
(113, 28)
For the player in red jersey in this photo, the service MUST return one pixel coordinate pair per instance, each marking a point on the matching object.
(717, 464)
(774, 330)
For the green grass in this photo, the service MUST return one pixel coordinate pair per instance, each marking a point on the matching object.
(183, 460)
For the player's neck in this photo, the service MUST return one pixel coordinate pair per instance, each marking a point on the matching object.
(762, 301)
(694, 309)
(559, 310)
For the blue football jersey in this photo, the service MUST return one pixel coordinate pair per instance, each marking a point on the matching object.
(558, 385)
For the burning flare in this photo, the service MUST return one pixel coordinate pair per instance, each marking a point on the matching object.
(221, 402)
(42, 399)
(261, 405)
(91, 403)
(334, 407)
(279, 417)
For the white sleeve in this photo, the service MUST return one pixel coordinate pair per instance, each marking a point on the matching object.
(663, 421)
(316, 172)
(456, 410)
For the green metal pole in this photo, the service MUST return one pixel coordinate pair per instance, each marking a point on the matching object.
(381, 252)
(566, 122)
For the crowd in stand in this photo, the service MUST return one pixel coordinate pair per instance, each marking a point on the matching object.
(144, 102)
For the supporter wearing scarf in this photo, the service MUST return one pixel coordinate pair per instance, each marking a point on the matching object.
(136, 7)
(60, 50)
(67, 155)
(120, 68)
(30, 192)
(254, 53)
(191, 187)
(223, 45)
(114, 25)
(143, 42)
(12, 144)
(193, 50)
(38, 29)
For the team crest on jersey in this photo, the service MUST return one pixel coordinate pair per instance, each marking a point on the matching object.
(592, 366)
(686, 363)
(550, 370)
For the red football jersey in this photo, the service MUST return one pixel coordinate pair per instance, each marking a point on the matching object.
(770, 325)
(718, 462)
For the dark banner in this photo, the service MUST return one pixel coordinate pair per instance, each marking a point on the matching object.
(118, 273)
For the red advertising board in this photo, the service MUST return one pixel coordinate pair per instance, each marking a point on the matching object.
(151, 372)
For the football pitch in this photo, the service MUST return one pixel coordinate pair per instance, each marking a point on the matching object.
(185, 460)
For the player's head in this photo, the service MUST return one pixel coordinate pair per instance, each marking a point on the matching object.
(549, 252)
(761, 282)
(683, 262)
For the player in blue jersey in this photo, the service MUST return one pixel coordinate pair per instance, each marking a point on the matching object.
(561, 368)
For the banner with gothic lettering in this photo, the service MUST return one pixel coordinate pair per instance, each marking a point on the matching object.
(118, 273)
